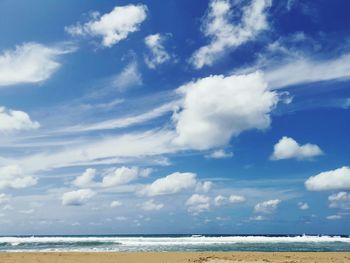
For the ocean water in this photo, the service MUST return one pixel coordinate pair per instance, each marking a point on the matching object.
(174, 243)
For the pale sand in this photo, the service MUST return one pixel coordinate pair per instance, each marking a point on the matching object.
(176, 257)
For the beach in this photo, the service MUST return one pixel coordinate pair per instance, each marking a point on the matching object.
(175, 257)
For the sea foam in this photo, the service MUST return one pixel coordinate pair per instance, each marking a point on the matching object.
(175, 243)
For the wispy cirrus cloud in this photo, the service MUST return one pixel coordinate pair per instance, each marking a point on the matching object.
(307, 70)
(125, 121)
(230, 117)
(129, 77)
(110, 149)
(219, 154)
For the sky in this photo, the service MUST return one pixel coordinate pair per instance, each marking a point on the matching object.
(177, 116)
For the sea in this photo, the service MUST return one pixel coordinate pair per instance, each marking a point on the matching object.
(160, 243)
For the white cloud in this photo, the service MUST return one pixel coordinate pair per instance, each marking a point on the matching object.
(267, 207)
(170, 184)
(123, 175)
(121, 218)
(216, 108)
(196, 127)
(288, 148)
(257, 218)
(157, 53)
(4, 199)
(219, 200)
(112, 27)
(12, 176)
(235, 199)
(198, 203)
(78, 197)
(30, 63)
(128, 78)
(340, 200)
(305, 70)
(232, 199)
(219, 154)
(116, 203)
(14, 120)
(111, 177)
(204, 186)
(86, 179)
(151, 206)
(334, 217)
(223, 34)
(7, 207)
(28, 212)
(338, 179)
(303, 206)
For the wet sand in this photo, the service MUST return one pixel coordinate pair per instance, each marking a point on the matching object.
(177, 257)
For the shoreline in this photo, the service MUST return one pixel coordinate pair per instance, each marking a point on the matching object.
(174, 257)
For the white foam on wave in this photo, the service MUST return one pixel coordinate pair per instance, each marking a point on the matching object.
(170, 241)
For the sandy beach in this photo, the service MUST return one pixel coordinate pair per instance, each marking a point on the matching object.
(177, 257)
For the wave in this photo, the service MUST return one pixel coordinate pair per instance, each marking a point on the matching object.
(175, 243)
(194, 239)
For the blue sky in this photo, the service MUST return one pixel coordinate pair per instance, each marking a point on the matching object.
(174, 116)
